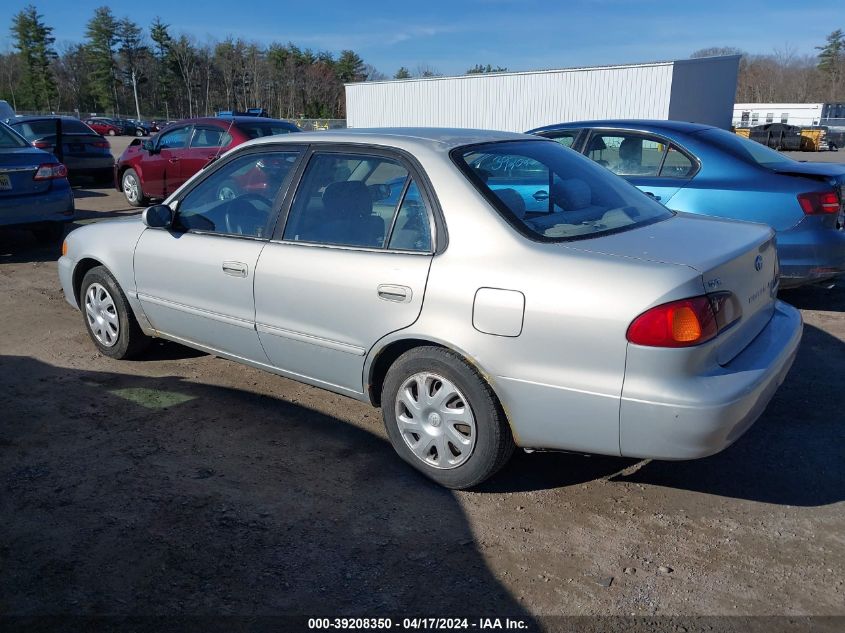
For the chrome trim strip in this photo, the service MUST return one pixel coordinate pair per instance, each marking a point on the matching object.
(223, 318)
(338, 346)
(13, 170)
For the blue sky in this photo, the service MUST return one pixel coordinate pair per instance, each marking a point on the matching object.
(453, 36)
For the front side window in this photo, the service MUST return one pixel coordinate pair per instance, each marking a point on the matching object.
(353, 199)
(174, 139)
(238, 198)
(583, 200)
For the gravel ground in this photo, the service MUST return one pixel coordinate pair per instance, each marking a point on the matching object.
(187, 484)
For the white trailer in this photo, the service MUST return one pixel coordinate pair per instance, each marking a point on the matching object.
(800, 114)
(700, 90)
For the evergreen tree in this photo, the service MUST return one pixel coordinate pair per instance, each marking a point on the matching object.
(832, 59)
(350, 67)
(131, 52)
(160, 36)
(34, 41)
(402, 73)
(478, 69)
(101, 35)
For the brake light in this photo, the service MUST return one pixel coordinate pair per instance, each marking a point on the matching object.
(42, 145)
(104, 144)
(819, 202)
(50, 171)
(677, 324)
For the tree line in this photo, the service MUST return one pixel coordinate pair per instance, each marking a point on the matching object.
(785, 76)
(121, 68)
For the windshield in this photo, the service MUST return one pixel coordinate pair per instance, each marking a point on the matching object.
(749, 151)
(256, 130)
(554, 194)
(9, 139)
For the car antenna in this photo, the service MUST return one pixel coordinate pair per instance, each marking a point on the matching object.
(220, 147)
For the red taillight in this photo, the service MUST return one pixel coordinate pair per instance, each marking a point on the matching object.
(42, 145)
(819, 202)
(101, 144)
(49, 171)
(677, 324)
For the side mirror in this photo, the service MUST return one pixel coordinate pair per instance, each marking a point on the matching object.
(158, 216)
(149, 146)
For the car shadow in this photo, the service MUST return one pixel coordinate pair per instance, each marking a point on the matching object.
(20, 246)
(817, 297)
(793, 455)
(81, 191)
(125, 494)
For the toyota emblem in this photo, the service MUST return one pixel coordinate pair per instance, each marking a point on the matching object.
(758, 263)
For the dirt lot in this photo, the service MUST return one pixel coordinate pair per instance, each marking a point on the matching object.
(187, 484)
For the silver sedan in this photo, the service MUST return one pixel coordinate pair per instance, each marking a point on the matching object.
(487, 290)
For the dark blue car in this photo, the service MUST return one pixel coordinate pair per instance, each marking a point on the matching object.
(701, 169)
(34, 189)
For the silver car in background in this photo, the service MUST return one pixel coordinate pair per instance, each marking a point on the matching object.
(402, 268)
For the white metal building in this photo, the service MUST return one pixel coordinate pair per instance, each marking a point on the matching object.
(801, 114)
(700, 90)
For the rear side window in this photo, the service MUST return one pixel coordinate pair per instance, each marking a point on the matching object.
(358, 200)
(45, 127)
(8, 138)
(564, 137)
(627, 154)
(579, 198)
(210, 137)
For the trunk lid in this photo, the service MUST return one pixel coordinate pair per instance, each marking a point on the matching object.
(17, 167)
(730, 256)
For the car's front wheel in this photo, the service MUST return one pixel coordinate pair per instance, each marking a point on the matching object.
(444, 419)
(131, 185)
(112, 132)
(108, 317)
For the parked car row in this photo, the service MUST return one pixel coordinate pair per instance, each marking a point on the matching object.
(487, 290)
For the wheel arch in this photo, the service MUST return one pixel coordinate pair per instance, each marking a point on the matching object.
(82, 267)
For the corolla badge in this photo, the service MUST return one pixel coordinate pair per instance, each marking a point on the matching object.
(758, 263)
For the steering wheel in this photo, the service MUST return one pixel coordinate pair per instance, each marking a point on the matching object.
(243, 218)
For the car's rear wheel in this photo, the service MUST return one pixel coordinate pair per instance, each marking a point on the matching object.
(444, 419)
(139, 132)
(131, 185)
(108, 317)
(112, 132)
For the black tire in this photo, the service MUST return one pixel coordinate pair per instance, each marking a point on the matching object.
(131, 340)
(140, 199)
(494, 443)
(49, 233)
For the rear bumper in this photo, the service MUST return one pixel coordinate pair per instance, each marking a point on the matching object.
(698, 415)
(810, 254)
(55, 205)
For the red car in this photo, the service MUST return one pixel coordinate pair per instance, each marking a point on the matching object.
(155, 168)
(103, 127)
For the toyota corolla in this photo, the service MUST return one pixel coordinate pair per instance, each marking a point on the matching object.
(402, 268)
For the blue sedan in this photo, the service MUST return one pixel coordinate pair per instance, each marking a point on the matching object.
(34, 189)
(701, 169)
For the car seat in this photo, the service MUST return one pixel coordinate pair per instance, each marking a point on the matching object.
(349, 218)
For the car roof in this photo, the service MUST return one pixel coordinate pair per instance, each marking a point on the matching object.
(645, 125)
(408, 138)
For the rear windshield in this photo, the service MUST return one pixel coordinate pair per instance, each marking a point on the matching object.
(258, 129)
(749, 151)
(45, 127)
(551, 193)
(8, 139)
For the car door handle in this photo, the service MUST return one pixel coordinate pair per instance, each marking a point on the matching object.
(173, 160)
(539, 196)
(398, 294)
(235, 269)
(651, 195)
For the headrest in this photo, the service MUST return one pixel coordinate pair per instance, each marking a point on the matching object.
(571, 194)
(631, 148)
(349, 199)
(512, 200)
(597, 144)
